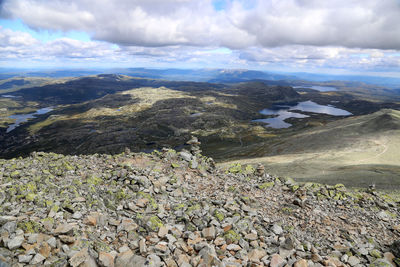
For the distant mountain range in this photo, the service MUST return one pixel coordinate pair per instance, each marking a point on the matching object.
(204, 75)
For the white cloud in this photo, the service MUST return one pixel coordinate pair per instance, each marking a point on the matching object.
(295, 56)
(134, 22)
(348, 23)
(22, 48)
(9, 38)
(242, 24)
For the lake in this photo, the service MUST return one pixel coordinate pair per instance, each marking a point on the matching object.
(21, 118)
(319, 88)
(8, 96)
(283, 112)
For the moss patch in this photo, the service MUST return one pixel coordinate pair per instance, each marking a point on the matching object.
(154, 223)
(266, 185)
(232, 236)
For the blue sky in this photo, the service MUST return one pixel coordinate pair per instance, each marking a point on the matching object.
(338, 36)
(43, 35)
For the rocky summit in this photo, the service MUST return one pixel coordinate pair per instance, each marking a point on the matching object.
(173, 208)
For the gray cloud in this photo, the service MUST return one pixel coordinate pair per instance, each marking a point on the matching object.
(155, 23)
(134, 22)
(21, 48)
(348, 23)
(295, 56)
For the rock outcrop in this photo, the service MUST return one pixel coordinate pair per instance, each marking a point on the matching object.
(173, 208)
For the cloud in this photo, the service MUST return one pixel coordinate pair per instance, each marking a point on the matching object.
(134, 23)
(296, 56)
(21, 48)
(240, 24)
(347, 23)
(9, 38)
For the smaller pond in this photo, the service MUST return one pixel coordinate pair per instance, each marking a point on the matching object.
(8, 96)
(279, 121)
(319, 88)
(21, 118)
(284, 112)
(196, 114)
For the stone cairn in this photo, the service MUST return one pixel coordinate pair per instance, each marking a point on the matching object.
(194, 145)
(196, 150)
(260, 170)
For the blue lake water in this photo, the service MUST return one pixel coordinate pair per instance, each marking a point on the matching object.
(283, 112)
(8, 96)
(196, 114)
(309, 106)
(21, 118)
(319, 88)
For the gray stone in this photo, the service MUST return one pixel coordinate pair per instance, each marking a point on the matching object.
(52, 242)
(123, 259)
(352, 261)
(163, 231)
(106, 259)
(185, 156)
(135, 261)
(5, 219)
(39, 258)
(16, 242)
(161, 247)
(143, 181)
(142, 246)
(24, 258)
(77, 215)
(209, 233)
(233, 247)
(171, 239)
(9, 227)
(383, 216)
(32, 239)
(193, 164)
(277, 229)
(277, 261)
(208, 255)
(363, 251)
(65, 248)
(251, 236)
(256, 254)
(64, 229)
(288, 244)
(153, 261)
(244, 244)
(79, 257)
(286, 253)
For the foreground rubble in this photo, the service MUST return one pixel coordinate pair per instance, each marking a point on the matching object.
(173, 208)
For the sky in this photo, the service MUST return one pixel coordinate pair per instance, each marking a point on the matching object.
(335, 36)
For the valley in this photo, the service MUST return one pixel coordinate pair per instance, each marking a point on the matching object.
(312, 131)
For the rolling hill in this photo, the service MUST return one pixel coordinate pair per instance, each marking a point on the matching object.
(356, 151)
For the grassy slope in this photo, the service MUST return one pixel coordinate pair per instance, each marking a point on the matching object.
(357, 151)
(18, 83)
